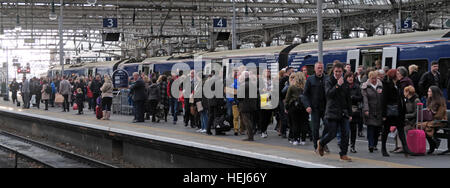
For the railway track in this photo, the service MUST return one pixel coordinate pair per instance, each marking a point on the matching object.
(48, 156)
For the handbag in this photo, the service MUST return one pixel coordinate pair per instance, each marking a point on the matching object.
(75, 106)
(392, 110)
(59, 98)
(427, 115)
(199, 106)
(193, 110)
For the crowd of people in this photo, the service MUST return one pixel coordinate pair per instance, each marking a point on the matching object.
(341, 101)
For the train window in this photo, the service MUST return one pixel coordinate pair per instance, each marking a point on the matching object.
(444, 69)
(368, 59)
(388, 62)
(421, 63)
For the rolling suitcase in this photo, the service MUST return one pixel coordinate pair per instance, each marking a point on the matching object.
(416, 138)
(98, 112)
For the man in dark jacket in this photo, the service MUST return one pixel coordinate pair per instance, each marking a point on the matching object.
(154, 95)
(139, 97)
(404, 80)
(14, 87)
(214, 103)
(432, 78)
(95, 87)
(314, 100)
(337, 112)
(248, 105)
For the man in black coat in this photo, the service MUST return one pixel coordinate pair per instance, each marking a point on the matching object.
(14, 87)
(337, 113)
(95, 86)
(248, 105)
(315, 100)
(139, 96)
(432, 78)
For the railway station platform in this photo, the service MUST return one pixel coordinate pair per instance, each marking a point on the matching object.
(272, 150)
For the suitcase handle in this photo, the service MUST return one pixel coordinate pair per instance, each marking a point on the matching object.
(419, 111)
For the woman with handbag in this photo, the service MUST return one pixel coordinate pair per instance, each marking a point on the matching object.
(357, 98)
(436, 111)
(393, 111)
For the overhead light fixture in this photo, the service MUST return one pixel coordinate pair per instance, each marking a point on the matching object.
(91, 2)
(18, 27)
(53, 16)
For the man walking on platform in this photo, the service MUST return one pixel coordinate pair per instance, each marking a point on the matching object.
(315, 101)
(65, 91)
(25, 90)
(337, 112)
(139, 97)
(14, 87)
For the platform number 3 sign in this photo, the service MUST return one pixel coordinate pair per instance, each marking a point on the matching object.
(110, 22)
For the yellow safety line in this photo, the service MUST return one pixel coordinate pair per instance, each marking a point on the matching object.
(297, 150)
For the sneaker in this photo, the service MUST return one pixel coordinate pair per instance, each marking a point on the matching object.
(295, 143)
(290, 141)
(203, 131)
(263, 135)
(198, 130)
(302, 143)
(345, 158)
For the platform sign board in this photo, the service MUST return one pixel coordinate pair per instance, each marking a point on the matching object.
(29, 41)
(220, 22)
(407, 24)
(120, 78)
(110, 22)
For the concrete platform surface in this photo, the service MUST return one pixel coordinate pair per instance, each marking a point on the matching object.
(272, 148)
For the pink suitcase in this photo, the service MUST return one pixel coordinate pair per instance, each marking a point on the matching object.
(416, 139)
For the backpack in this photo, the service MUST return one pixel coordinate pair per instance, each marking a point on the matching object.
(48, 89)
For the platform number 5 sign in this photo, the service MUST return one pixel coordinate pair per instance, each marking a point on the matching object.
(220, 22)
(110, 22)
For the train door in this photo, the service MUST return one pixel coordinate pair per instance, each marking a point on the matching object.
(90, 71)
(140, 68)
(353, 58)
(370, 56)
(390, 55)
(145, 69)
(444, 66)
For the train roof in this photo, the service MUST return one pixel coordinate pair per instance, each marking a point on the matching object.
(375, 40)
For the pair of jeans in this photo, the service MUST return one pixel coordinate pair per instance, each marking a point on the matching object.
(264, 119)
(316, 116)
(332, 126)
(173, 105)
(204, 118)
(66, 103)
(282, 118)
(347, 129)
(248, 123)
(46, 104)
(373, 132)
(26, 100)
(140, 109)
(298, 127)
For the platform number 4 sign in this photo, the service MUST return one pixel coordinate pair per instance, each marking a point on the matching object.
(110, 22)
(220, 22)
